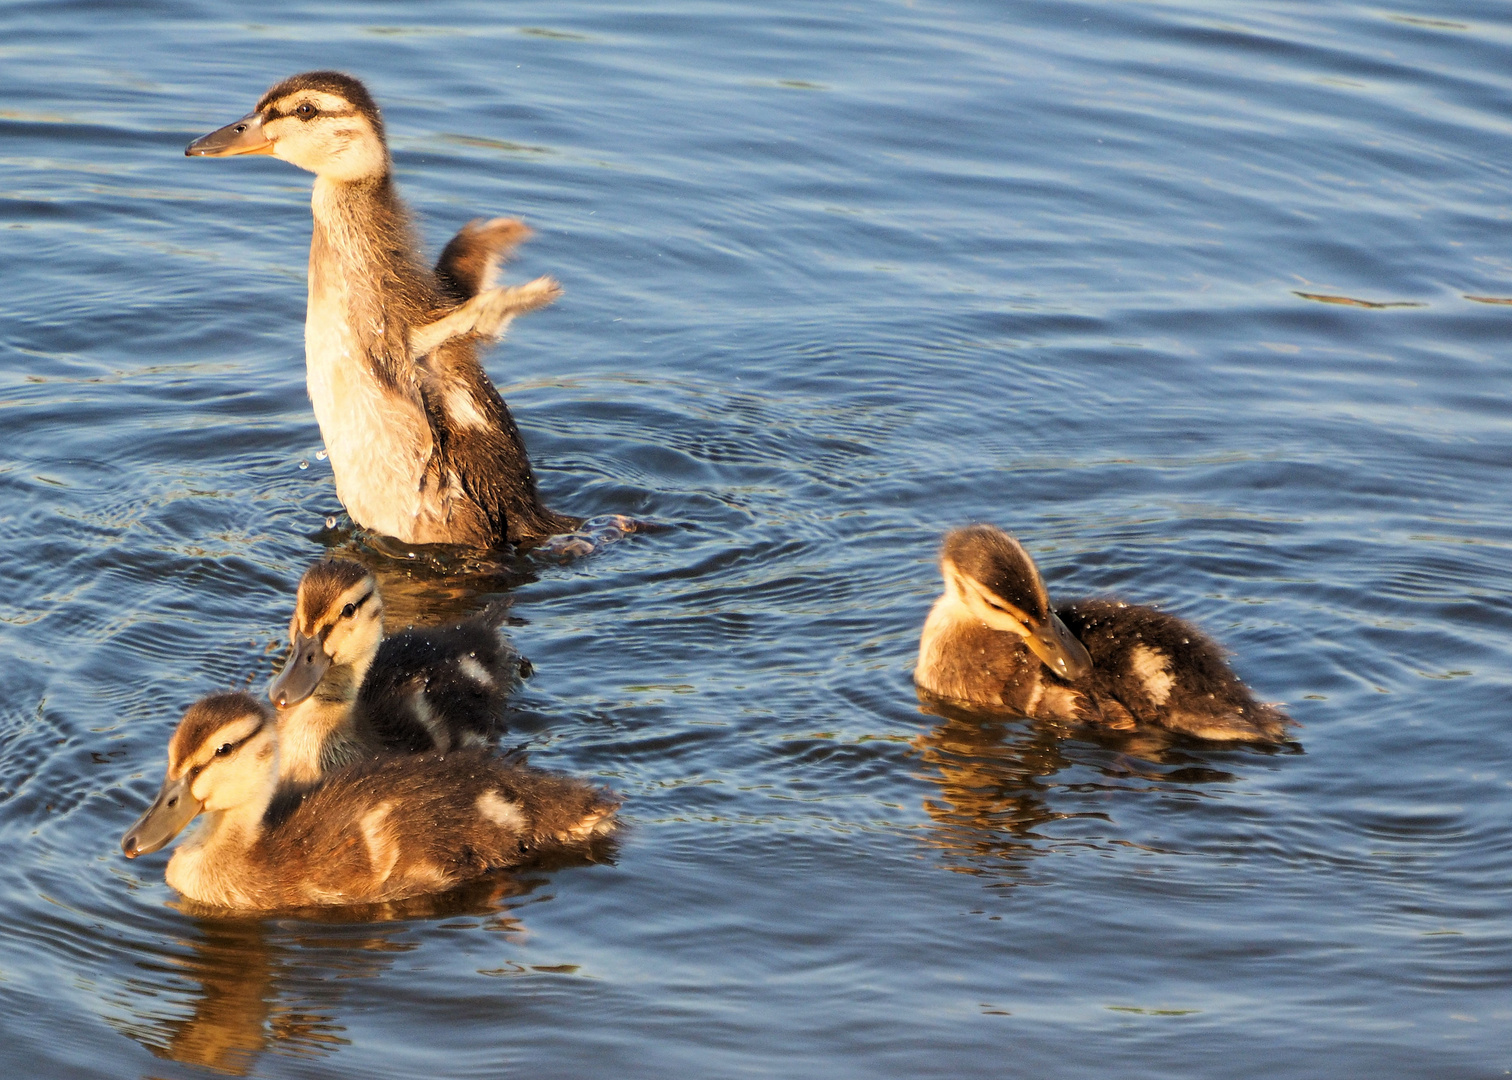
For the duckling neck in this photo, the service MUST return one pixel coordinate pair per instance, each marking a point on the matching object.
(320, 735)
(366, 291)
(363, 263)
(207, 865)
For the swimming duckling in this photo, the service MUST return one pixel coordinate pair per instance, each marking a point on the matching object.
(993, 639)
(346, 693)
(381, 830)
(421, 444)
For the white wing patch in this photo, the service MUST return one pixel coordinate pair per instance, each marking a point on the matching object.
(475, 671)
(463, 412)
(383, 851)
(1153, 668)
(501, 811)
(430, 721)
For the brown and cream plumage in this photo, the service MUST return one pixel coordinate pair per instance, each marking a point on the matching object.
(381, 830)
(994, 639)
(421, 444)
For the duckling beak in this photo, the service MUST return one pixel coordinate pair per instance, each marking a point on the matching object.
(1058, 648)
(174, 807)
(243, 137)
(302, 674)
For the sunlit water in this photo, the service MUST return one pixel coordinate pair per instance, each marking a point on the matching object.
(836, 279)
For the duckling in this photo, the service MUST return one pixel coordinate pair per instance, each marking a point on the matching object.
(346, 693)
(422, 446)
(381, 830)
(993, 639)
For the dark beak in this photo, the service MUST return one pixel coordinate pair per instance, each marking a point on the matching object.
(174, 807)
(1058, 648)
(302, 674)
(243, 137)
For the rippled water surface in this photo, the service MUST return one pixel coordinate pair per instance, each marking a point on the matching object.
(1208, 302)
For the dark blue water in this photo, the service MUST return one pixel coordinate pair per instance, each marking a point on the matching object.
(837, 278)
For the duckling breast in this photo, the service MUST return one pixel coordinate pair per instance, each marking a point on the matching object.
(963, 659)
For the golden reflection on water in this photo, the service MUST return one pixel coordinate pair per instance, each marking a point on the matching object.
(253, 984)
(433, 584)
(998, 780)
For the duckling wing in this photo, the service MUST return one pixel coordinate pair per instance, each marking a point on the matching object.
(486, 315)
(1162, 670)
(470, 261)
(479, 449)
(465, 274)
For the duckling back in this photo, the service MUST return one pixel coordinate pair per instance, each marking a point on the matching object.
(437, 689)
(402, 826)
(1154, 668)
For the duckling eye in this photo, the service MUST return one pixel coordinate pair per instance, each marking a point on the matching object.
(223, 750)
(305, 111)
(348, 611)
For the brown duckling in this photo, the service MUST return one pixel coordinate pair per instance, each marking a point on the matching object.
(993, 639)
(381, 830)
(421, 444)
(346, 692)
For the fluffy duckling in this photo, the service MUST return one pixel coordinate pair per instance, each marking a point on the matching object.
(993, 639)
(421, 444)
(381, 830)
(346, 693)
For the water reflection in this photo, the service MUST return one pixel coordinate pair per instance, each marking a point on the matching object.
(253, 984)
(428, 585)
(1002, 779)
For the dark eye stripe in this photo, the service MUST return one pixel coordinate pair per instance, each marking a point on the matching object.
(233, 747)
(351, 609)
(274, 114)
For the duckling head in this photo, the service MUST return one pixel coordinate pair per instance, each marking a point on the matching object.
(991, 574)
(220, 757)
(335, 632)
(323, 121)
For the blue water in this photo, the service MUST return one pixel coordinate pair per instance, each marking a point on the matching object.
(837, 279)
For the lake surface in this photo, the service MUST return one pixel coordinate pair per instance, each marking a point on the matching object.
(1209, 303)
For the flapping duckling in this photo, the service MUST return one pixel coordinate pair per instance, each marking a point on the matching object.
(382, 830)
(421, 444)
(993, 639)
(346, 693)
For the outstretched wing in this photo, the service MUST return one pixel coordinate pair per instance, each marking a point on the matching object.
(478, 446)
(470, 262)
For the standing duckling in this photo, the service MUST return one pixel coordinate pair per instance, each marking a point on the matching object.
(347, 693)
(421, 444)
(993, 639)
(382, 830)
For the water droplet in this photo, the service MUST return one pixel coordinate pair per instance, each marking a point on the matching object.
(320, 455)
(304, 464)
(330, 523)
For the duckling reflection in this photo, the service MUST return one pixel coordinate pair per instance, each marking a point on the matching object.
(345, 693)
(431, 585)
(422, 446)
(232, 976)
(992, 795)
(997, 779)
(251, 985)
(377, 831)
(993, 639)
